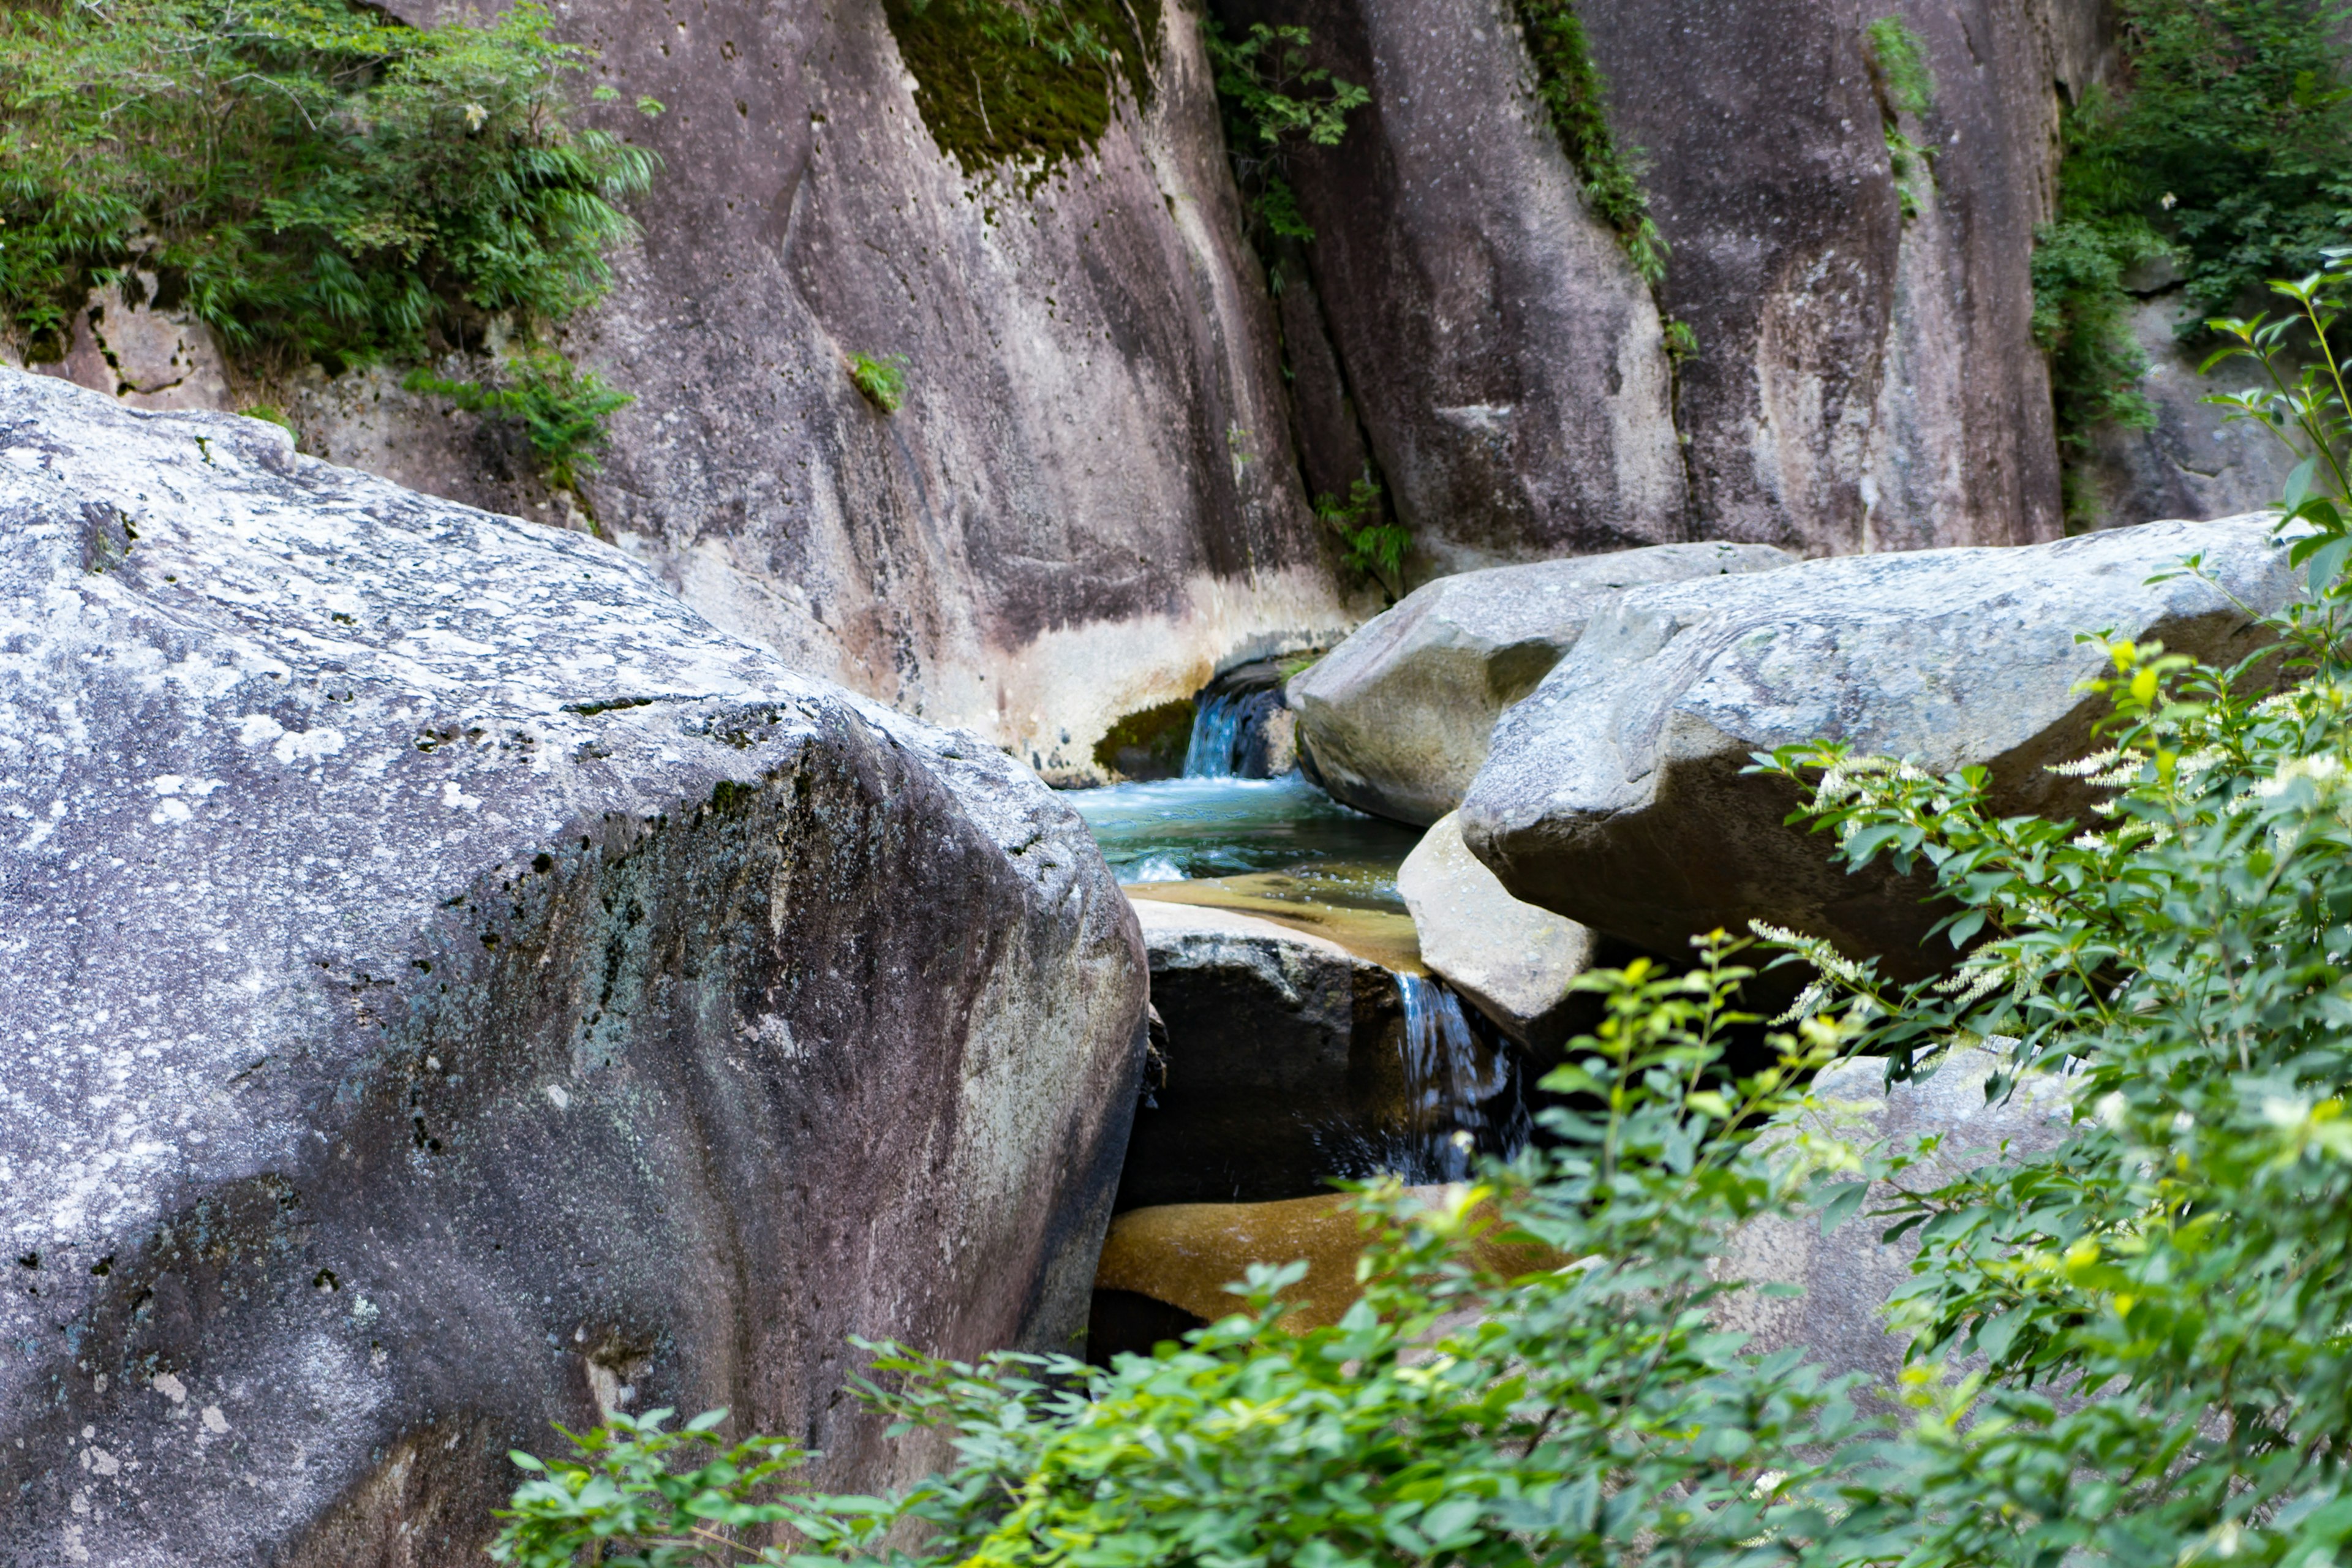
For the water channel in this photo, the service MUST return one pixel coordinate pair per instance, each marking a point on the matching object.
(1281, 849)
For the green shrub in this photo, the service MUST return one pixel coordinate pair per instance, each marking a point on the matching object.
(1375, 544)
(1576, 97)
(1273, 101)
(310, 180)
(1898, 62)
(559, 408)
(314, 182)
(2228, 146)
(883, 380)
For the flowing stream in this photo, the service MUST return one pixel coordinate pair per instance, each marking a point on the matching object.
(1282, 850)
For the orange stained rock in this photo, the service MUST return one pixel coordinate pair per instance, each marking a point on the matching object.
(1185, 1254)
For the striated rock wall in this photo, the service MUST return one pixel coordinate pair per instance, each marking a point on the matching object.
(453, 987)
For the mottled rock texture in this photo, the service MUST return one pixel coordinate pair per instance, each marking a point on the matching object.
(452, 986)
(1615, 794)
(1848, 1275)
(1512, 961)
(1394, 720)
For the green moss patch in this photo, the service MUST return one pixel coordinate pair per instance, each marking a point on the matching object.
(1149, 744)
(1032, 84)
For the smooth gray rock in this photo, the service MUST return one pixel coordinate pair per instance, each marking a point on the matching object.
(1289, 1063)
(1615, 794)
(1849, 1275)
(1514, 962)
(1394, 720)
(2195, 462)
(453, 987)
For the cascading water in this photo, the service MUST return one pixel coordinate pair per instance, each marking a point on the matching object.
(1459, 1098)
(1227, 741)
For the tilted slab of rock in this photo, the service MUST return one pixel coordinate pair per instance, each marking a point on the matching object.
(1395, 720)
(1614, 795)
(1514, 962)
(452, 987)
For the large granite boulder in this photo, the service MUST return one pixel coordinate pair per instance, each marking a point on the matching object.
(1394, 720)
(1291, 1062)
(1514, 962)
(1615, 794)
(453, 987)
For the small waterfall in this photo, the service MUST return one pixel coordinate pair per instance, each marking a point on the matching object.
(1460, 1097)
(1220, 730)
(1451, 1076)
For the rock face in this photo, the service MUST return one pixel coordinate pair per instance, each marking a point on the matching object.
(1503, 361)
(1514, 962)
(2195, 462)
(1614, 795)
(1395, 720)
(453, 986)
(1849, 1275)
(1864, 378)
(1290, 1062)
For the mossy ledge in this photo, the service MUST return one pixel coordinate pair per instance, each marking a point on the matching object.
(998, 84)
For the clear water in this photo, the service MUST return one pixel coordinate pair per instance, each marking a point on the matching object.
(1189, 828)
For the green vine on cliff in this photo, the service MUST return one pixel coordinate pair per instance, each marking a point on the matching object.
(1575, 95)
(310, 180)
(1273, 101)
(1904, 85)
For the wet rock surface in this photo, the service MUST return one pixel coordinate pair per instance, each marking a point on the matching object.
(1615, 794)
(1395, 720)
(1291, 1061)
(455, 987)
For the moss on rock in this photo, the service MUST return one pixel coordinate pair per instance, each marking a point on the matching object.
(1032, 84)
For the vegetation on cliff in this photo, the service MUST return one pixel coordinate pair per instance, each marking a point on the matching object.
(1576, 97)
(2226, 148)
(312, 180)
(1029, 85)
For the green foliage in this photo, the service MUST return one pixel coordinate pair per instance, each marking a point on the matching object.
(1273, 101)
(2307, 406)
(1024, 81)
(2230, 148)
(883, 380)
(1458, 1413)
(310, 180)
(622, 1501)
(1576, 96)
(1375, 544)
(1898, 62)
(2081, 321)
(559, 408)
(1899, 70)
(1681, 339)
